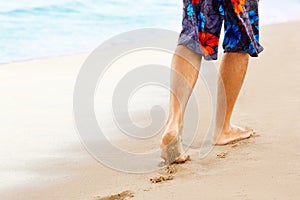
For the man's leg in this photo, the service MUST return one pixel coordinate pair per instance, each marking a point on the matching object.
(232, 71)
(187, 64)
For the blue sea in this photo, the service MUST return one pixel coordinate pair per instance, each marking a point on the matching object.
(32, 29)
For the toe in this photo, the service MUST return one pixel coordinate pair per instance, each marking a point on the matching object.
(182, 159)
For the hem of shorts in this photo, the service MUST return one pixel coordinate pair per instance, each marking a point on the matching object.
(245, 51)
(191, 47)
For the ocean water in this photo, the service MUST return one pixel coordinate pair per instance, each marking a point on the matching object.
(39, 28)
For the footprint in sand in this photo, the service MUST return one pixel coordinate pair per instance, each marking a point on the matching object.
(222, 155)
(160, 179)
(170, 171)
(121, 196)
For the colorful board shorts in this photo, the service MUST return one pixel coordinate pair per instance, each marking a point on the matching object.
(202, 24)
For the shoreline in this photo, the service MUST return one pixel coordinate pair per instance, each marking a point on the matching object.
(37, 103)
(89, 52)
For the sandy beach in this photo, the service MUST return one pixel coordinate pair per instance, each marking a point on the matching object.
(42, 156)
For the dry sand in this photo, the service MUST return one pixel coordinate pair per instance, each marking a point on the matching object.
(42, 158)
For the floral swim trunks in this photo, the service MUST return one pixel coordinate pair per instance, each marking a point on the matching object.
(202, 24)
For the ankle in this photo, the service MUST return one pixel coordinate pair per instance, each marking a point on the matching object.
(223, 129)
(174, 121)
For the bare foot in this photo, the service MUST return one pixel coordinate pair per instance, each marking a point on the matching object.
(234, 134)
(171, 147)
